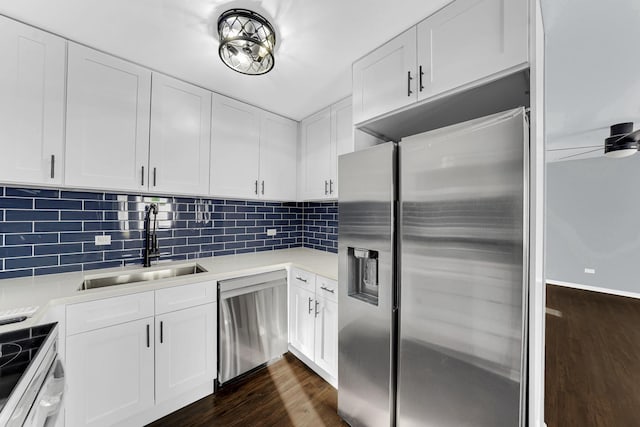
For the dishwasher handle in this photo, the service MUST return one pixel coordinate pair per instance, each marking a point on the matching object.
(244, 285)
(226, 294)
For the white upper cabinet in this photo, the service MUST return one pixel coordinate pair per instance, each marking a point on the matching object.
(469, 40)
(323, 137)
(32, 84)
(253, 152)
(108, 108)
(459, 45)
(278, 142)
(180, 137)
(315, 132)
(385, 79)
(342, 138)
(235, 148)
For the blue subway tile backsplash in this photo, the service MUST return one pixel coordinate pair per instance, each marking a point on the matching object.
(320, 225)
(44, 231)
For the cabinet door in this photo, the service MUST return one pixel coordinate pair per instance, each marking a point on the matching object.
(180, 137)
(326, 336)
(32, 73)
(301, 318)
(469, 40)
(278, 161)
(316, 155)
(385, 79)
(341, 139)
(109, 374)
(108, 107)
(235, 145)
(185, 350)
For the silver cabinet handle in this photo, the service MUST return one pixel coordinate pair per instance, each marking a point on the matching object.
(148, 343)
(409, 78)
(317, 312)
(161, 332)
(330, 186)
(327, 289)
(326, 189)
(256, 190)
(301, 279)
(142, 175)
(53, 166)
(263, 187)
(154, 176)
(310, 309)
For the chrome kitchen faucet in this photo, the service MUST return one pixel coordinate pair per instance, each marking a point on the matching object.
(151, 249)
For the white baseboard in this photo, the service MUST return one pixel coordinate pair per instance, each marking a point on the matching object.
(593, 288)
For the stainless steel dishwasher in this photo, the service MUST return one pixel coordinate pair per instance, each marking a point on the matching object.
(253, 322)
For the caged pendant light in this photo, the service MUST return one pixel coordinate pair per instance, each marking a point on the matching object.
(247, 41)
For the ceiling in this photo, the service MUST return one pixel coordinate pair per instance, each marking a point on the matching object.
(317, 41)
(591, 70)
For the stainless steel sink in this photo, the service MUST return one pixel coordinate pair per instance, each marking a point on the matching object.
(141, 276)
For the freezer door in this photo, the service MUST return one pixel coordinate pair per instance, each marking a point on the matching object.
(365, 305)
(462, 304)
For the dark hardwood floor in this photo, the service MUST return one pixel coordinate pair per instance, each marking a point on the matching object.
(286, 393)
(592, 359)
(592, 375)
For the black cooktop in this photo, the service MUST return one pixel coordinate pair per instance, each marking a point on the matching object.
(17, 350)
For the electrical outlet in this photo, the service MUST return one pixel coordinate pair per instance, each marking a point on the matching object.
(590, 270)
(103, 240)
(271, 232)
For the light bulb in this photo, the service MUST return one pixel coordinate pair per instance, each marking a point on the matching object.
(618, 154)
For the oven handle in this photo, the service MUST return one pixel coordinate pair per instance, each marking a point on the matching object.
(49, 400)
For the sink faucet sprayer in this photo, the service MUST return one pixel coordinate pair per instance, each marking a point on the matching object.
(151, 249)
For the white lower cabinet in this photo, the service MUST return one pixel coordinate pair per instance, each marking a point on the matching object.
(301, 328)
(326, 335)
(110, 374)
(125, 365)
(313, 322)
(185, 350)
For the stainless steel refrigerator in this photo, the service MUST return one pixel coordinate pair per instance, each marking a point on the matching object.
(432, 263)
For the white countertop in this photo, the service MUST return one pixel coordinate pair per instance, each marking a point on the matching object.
(56, 289)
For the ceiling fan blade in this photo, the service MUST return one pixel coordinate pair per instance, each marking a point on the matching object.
(635, 136)
(581, 154)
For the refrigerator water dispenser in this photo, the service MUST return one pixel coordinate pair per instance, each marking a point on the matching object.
(363, 275)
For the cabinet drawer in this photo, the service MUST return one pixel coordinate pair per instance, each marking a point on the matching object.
(179, 297)
(326, 288)
(88, 316)
(303, 279)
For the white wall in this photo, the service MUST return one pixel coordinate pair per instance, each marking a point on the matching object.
(592, 81)
(593, 222)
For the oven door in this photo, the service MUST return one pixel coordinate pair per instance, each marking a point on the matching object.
(46, 406)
